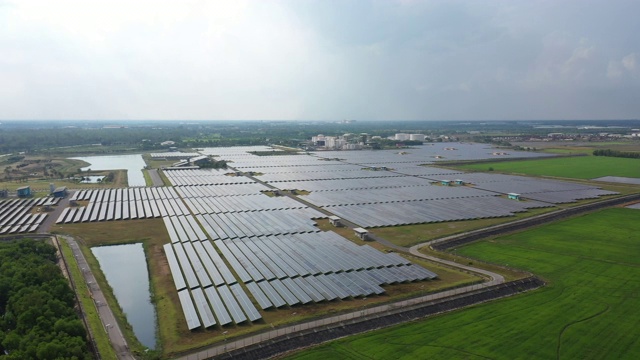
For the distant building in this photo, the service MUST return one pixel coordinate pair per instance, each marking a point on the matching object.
(335, 221)
(445, 182)
(513, 196)
(60, 192)
(416, 137)
(363, 234)
(24, 191)
(402, 137)
(167, 143)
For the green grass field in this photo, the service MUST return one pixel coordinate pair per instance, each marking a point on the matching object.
(587, 311)
(584, 167)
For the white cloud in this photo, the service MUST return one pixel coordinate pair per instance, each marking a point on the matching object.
(290, 59)
(630, 63)
(625, 67)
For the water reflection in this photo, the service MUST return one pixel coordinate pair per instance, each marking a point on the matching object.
(132, 163)
(125, 268)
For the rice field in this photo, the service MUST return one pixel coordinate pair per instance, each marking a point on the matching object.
(587, 311)
(583, 167)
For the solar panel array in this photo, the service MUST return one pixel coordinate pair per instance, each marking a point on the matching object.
(551, 191)
(17, 216)
(123, 204)
(428, 211)
(257, 223)
(389, 187)
(227, 237)
(392, 194)
(207, 289)
(314, 267)
(348, 184)
(173, 155)
(273, 246)
(428, 153)
(242, 203)
(186, 177)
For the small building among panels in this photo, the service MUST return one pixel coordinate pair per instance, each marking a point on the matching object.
(60, 192)
(24, 191)
(513, 196)
(363, 234)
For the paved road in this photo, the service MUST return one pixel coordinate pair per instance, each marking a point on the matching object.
(53, 215)
(334, 321)
(155, 177)
(104, 311)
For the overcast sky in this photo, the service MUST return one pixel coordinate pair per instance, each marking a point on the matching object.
(320, 60)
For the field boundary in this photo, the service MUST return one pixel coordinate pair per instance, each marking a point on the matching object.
(318, 335)
(453, 241)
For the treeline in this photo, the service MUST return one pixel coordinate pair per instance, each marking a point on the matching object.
(213, 164)
(37, 317)
(616, 153)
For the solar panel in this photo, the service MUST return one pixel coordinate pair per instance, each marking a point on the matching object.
(283, 291)
(218, 306)
(322, 289)
(296, 290)
(271, 293)
(245, 302)
(203, 308)
(231, 303)
(260, 297)
(220, 264)
(310, 290)
(178, 280)
(188, 309)
(192, 280)
(198, 268)
(208, 264)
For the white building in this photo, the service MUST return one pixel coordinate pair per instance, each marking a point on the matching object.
(402, 137)
(416, 137)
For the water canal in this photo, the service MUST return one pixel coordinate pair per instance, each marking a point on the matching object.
(125, 268)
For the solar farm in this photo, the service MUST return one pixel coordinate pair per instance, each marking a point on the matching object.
(235, 252)
(18, 216)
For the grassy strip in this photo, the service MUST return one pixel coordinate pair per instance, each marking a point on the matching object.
(91, 314)
(147, 178)
(165, 179)
(410, 235)
(588, 309)
(585, 167)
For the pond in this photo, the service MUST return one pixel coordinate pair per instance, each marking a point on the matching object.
(125, 268)
(132, 163)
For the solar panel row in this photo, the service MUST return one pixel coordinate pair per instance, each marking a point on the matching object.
(123, 210)
(256, 223)
(418, 212)
(16, 216)
(245, 203)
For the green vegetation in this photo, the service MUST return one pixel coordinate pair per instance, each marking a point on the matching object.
(587, 310)
(174, 337)
(410, 235)
(617, 153)
(36, 305)
(152, 234)
(88, 306)
(583, 167)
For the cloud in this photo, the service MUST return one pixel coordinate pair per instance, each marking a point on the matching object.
(625, 67)
(630, 63)
(323, 59)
